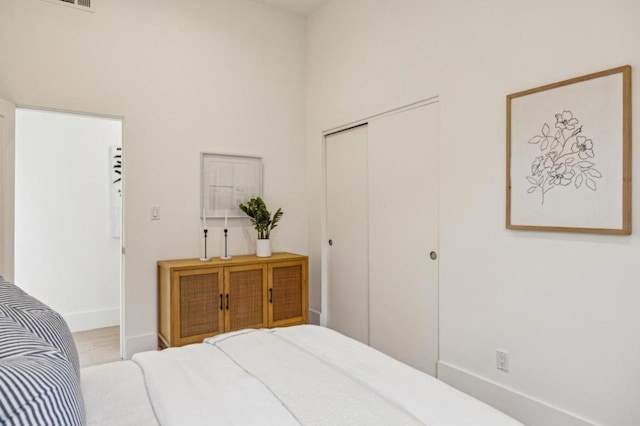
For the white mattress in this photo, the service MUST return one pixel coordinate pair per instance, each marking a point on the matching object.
(115, 395)
(430, 400)
(300, 375)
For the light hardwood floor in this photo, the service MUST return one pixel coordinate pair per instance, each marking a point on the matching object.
(98, 346)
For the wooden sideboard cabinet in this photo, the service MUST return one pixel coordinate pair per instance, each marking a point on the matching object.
(198, 299)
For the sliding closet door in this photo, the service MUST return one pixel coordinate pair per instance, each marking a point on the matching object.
(347, 232)
(7, 187)
(403, 230)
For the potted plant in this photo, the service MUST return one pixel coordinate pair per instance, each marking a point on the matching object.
(263, 222)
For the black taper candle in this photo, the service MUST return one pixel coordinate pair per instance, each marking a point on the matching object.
(225, 243)
(206, 231)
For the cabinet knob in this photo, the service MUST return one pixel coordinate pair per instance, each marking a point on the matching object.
(330, 242)
(433, 255)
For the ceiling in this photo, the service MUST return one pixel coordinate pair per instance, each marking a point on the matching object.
(297, 7)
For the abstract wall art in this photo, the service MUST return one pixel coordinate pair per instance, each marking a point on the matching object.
(228, 180)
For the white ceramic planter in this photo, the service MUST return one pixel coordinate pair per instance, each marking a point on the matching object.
(263, 248)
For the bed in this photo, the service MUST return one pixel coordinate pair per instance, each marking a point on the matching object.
(305, 374)
(300, 375)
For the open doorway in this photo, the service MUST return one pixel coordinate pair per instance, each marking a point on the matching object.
(68, 214)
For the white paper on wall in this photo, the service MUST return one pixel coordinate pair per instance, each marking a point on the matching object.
(115, 154)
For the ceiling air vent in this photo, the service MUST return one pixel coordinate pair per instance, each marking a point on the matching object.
(76, 4)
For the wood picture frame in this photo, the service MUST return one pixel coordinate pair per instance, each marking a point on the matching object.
(569, 155)
(226, 181)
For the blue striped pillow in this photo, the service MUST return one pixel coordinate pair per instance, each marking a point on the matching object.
(38, 318)
(38, 385)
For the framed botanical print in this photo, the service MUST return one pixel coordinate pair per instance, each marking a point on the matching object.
(569, 155)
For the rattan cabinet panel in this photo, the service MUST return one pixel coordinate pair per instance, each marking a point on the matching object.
(287, 293)
(198, 299)
(247, 290)
(189, 305)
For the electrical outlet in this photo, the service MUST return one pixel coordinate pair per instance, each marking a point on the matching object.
(502, 360)
(154, 213)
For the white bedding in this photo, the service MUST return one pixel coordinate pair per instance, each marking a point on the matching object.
(199, 385)
(115, 395)
(429, 399)
(300, 375)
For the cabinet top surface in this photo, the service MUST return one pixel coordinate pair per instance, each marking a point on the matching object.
(236, 260)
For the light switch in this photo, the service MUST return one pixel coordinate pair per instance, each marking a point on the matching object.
(154, 213)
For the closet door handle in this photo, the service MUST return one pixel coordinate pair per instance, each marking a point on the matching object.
(271, 295)
(227, 301)
(221, 303)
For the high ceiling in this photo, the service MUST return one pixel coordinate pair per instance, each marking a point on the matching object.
(298, 7)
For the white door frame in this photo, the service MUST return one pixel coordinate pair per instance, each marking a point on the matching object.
(324, 265)
(7, 188)
(122, 222)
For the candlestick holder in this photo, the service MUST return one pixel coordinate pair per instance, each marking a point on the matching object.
(205, 258)
(226, 255)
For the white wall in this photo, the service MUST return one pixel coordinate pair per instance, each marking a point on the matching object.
(222, 76)
(65, 253)
(564, 306)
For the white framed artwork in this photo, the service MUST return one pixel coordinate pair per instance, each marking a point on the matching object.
(568, 155)
(227, 181)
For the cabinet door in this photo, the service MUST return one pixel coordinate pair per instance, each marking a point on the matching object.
(245, 297)
(196, 298)
(288, 293)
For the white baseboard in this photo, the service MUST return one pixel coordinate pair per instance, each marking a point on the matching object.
(135, 344)
(521, 407)
(93, 319)
(314, 317)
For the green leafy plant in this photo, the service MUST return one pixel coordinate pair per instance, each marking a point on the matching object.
(261, 219)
